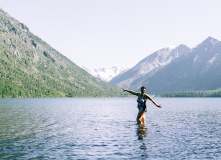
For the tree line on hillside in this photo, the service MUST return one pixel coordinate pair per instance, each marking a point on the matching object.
(15, 83)
(211, 93)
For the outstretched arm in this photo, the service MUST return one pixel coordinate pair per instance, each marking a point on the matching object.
(132, 92)
(153, 101)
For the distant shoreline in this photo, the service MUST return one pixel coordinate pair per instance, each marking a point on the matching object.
(209, 93)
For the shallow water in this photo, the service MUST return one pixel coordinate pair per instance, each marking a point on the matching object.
(105, 128)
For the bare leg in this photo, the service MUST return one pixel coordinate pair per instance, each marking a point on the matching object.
(141, 117)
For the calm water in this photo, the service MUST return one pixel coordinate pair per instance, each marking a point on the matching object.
(105, 128)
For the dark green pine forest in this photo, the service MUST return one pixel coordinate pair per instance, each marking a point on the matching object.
(29, 67)
(209, 93)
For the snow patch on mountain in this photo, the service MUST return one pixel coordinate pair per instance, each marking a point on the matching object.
(105, 74)
(213, 59)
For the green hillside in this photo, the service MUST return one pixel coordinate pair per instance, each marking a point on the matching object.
(29, 67)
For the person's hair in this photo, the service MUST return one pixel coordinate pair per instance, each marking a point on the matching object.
(143, 87)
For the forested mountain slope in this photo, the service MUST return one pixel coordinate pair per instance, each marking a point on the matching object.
(29, 67)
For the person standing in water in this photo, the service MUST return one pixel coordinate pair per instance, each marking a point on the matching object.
(142, 98)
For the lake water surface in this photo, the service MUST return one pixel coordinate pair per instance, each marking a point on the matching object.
(105, 128)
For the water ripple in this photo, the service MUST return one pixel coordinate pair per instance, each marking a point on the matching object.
(105, 128)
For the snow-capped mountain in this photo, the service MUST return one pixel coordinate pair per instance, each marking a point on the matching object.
(105, 74)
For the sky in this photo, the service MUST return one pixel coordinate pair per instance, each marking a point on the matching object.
(106, 33)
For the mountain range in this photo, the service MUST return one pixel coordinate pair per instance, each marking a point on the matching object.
(29, 67)
(179, 69)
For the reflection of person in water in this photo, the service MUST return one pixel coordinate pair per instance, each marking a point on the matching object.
(142, 98)
(141, 132)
